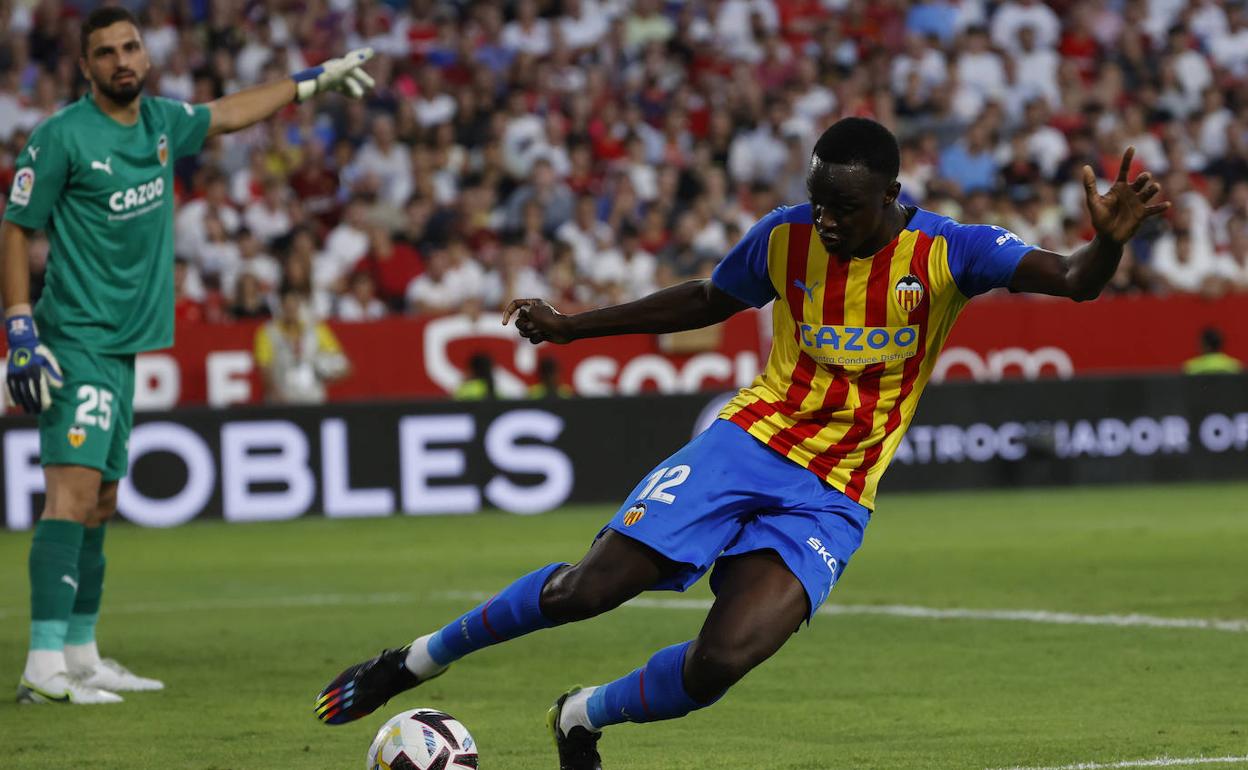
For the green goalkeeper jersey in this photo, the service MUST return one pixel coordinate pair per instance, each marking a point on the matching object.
(103, 192)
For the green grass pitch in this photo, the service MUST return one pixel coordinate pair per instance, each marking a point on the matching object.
(246, 623)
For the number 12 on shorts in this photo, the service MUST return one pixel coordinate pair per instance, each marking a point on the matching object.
(670, 477)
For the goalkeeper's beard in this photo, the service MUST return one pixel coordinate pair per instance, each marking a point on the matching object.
(122, 96)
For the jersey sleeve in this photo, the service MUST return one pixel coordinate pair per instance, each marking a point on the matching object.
(42, 171)
(326, 342)
(188, 125)
(263, 350)
(743, 271)
(983, 257)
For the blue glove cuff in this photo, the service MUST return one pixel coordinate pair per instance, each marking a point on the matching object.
(20, 330)
(311, 73)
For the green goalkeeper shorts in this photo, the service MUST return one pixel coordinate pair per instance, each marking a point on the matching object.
(92, 413)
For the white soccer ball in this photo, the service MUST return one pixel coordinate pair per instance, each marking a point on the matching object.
(422, 739)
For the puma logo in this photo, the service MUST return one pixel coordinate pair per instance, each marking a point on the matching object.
(69, 581)
(809, 291)
(34, 153)
(106, 166)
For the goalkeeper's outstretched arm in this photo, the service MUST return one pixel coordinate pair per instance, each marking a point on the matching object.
(239, 110)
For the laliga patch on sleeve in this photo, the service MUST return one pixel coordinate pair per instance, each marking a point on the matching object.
(23, 184)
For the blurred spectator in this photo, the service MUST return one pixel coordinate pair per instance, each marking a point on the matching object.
(14, 114)
(268, 217)
(543, 188)
(582, 24)
(312, 273)
(382, 165)
(252, 260)
(360, 303)
(186, 309)
(548, 383)
(451, 279)
(479, 386)
(648, 24)
(346, 244)
(392, 264)
(1014, 16)
(942, 19)
(516, 277)
(193, 216)
(297, 354)
(1035, 69)
(218, 256)
(756, 155)
(316, 186)
(247, 184)
(527, 34)
(249, 299)
(1211, 359)
(980, 73)
(434, 106)
(969, 164)
(585, 233)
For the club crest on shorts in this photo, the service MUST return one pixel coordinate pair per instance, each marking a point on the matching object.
(909, 292)
(634, 514)
(162, 149)
(77, 436)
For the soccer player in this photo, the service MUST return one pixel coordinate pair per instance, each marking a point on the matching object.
(775, 494)
(98, 177)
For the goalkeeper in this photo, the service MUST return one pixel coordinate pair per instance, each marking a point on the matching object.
(98, 178)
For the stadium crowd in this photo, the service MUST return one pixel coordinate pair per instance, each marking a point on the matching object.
(589, 151)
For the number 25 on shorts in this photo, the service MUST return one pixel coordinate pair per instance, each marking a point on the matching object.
(670, 477)
(95, 407)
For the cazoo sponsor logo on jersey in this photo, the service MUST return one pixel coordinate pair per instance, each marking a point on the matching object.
(142, 197)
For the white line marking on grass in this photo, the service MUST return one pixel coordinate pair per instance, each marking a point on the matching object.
(952, 613)
(239, 603)
(1159, 762)
(1036, 616)
(645, 602)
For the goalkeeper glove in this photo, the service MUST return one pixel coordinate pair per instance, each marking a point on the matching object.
(32, 369)
(345, 75)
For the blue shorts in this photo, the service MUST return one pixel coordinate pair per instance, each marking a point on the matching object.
(724, 494)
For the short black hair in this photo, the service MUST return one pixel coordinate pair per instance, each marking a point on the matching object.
(104, 16)
(1211, 339)
(860, 142)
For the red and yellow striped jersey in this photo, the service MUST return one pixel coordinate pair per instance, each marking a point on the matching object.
(854, 341)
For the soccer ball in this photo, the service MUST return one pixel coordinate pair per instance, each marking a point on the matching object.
(422, 739)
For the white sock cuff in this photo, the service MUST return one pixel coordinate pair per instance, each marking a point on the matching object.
(82, 656)
(418, 660)
(43, 664)
(576, 712)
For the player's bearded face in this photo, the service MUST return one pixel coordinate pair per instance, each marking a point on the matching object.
(116, 62)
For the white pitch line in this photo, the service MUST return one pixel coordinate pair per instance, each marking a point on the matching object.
(645, 602)
(1159, 762)
(951, 613)
(239, 603)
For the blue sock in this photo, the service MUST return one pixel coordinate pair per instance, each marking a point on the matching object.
(513, 612)
(653, 692)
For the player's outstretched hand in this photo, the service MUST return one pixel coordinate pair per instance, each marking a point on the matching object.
(1118, 213)
(345, 75)
(538, 322)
